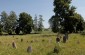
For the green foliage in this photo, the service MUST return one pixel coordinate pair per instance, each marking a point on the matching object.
(9, 22)
(4, 16)
(0, 29)
(35, 23)
(54, 24)
(65, 17)
(25, 22)
(84, 25)
(40, 23)
(83, 32)
(17, 30)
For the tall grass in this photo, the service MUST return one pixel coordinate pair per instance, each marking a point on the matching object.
(40, 47)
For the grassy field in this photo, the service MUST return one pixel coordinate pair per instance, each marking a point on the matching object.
(42, 44)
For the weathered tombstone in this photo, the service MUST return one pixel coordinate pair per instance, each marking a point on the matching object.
(29, 49)
(56, 50)
(57, 39)
(21, 40)
(66, 34)
(14, 45)
(64, 39)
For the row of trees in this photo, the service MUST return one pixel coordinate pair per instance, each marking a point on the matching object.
(12, 24)
(66, 19)
(38, 24)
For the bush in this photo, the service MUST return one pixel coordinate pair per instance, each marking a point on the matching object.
(83, 32)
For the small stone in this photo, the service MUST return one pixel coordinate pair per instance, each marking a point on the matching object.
(14, 45)
(56, 50)
(29, 49)
(57, 39)
(64, 39)
(21, 40)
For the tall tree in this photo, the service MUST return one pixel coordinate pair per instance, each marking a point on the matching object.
(35, 22)
(1, 27)
(10, 22)
(64, 17)
(54, 24)
(4, 16)
(40, 23)
(25, 22)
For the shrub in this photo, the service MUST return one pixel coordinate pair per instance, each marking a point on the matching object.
(83, 32)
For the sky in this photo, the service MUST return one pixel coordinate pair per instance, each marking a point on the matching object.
(38, 7)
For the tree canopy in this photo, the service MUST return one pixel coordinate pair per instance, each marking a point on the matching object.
(65, 18)
(25, 22)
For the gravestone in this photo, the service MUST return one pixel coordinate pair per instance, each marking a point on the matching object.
(64, 39)
(21, 40)
(66, 34)
(56, 50)
(57, 39)
(14, 45)
(29, 49)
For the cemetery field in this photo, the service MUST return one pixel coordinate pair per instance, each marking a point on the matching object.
(42, 44)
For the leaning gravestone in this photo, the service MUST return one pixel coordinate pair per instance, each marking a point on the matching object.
(21, 40)
(64, 39)
(14, 45)
(57, 39)
(56, 50)
(29, 49)
(66, 34)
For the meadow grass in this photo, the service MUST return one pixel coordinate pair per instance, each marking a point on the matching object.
(42, 44)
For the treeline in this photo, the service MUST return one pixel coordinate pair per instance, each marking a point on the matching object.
(24, 23)
(66, 19)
